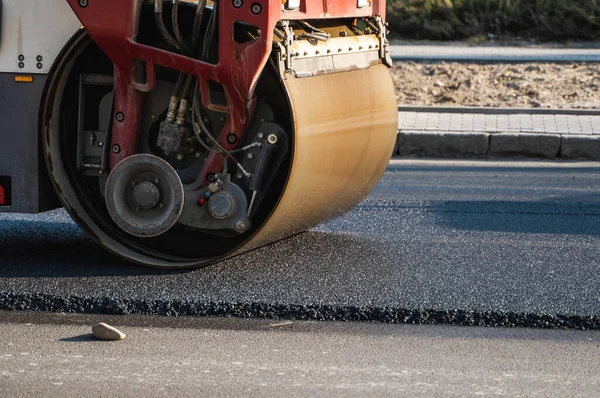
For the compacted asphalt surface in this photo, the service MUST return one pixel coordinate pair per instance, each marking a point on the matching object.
(506, 243)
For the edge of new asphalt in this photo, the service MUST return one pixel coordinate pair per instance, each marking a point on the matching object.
(106, 305)
(449, 144)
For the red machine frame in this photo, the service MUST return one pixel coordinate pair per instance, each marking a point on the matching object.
(113, 25)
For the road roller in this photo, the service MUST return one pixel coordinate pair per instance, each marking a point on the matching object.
(179, 133)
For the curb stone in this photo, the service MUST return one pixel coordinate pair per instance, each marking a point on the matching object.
(523, 144)
(580, 147)
(497, 145)
(442, 144)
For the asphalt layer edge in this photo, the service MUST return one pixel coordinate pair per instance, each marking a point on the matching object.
(110, 306)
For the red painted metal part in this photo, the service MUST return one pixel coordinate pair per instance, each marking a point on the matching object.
(2, 196)
(113, 25)
(128, 114)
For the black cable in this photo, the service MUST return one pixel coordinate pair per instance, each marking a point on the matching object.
(198, 24)
(176, 30)
(158, 11)
(188, 86)
(210, 32)
(312, 29)
(179, 84)
(201, 127)
(197, 132)
(183, 77)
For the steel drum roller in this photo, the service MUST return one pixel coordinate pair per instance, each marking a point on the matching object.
(343, 143)
(195, 155)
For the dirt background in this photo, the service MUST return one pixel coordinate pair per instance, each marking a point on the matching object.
(575, 86)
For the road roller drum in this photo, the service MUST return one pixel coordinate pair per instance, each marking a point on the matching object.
(179, 133)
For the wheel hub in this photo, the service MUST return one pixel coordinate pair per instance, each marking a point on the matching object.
(221, 205)
(146, 195)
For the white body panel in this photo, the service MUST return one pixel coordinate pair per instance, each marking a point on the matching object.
(34, 28)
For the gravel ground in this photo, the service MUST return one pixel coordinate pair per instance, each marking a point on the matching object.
(574, 86)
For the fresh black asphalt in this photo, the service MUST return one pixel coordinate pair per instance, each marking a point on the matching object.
(455, 242)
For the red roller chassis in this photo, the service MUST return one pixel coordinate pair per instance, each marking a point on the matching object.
(113, 25)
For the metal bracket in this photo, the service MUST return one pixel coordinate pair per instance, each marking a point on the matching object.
(304, 57)
(288, 44)
(384, 46)
(93, 145)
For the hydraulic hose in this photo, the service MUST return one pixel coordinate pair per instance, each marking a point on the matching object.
(158, 16)
(198, 24)
(184, 105)
(174, 103)
(210, 32)
(176, 30)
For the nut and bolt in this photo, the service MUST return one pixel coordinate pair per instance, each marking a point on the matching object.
(231, 138)
(160, 205)
(83, 3)
(156, 180)
(198, 154)
(210, 177)
(133, 184)
(120, 117)
(260, 135)
(100, 143)
(179, 157)
(272, 139)
(116, 149)
(238, 3)
(138, 209)
(256, 9)
(240, 226)
(250, 156)
(214, 187)
(239, 176)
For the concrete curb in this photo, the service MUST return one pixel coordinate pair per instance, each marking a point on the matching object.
(482, 54)
(528, 145)
(497, 145)
(442, 144)
(580, 147)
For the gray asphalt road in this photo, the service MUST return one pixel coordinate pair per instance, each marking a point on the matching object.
(484, 243)
(233, 357)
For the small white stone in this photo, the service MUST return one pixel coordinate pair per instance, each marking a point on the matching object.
(102, 331)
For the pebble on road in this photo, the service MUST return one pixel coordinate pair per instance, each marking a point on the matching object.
(102, 331)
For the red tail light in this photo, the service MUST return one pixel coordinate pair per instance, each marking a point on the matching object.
(4, 191)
